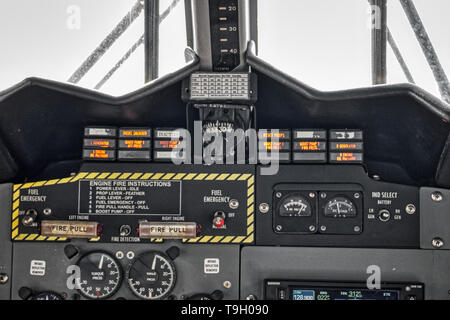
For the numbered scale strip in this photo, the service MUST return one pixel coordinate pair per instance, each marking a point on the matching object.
(248, 238)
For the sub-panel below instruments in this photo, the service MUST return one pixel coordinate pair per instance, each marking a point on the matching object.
(335, 205)
(152, 203)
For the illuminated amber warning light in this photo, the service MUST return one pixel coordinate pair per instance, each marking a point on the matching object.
(274, 145)
(271, 135)
(310, 146)
(99, 154)
(135, 144)
(167, 144)
(346, 146)
(135, 133)
(346, 157)
(100, 143)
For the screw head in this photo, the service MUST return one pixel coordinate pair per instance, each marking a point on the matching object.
(323, 228)
(278, 195)
(376, 177)
(437, 196)
(410, 209)
(227, 284)
(3, 278)
(356, 195)
(234, 204)
(437, 243)
(357, 229)
(119, 255)
(279, 228)
(323, 195)
(130, 255)
(312, 195)
(250, 297)
(264, 208)
(312, 228)
(47, 211)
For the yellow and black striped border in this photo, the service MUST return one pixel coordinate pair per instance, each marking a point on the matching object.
(250, 205)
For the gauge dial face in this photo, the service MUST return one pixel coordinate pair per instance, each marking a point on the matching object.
(217, 127)
(100, 275)
(152, 276)
(295, 205)
(340, 207)
(47, 296)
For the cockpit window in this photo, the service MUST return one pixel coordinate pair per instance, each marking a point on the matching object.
(327, 44)
(94, 44)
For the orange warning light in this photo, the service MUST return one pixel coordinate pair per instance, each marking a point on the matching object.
(346, 157)
(270, 135)
(346, 146)
(167, 144)
(274, 145)
(96, 154)
(99, 143)
(135, 133)
(310, 145)
(135, 144)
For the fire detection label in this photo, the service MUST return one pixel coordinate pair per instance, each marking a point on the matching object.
(125, 197)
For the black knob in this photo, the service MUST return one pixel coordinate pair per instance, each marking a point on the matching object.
(70, 251)
(217, 295)
(173, 252)
(25, 293)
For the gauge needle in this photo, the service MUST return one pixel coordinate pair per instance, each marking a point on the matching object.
(154, 263)
(100, 265)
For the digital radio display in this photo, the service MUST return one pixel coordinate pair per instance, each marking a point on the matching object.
(328, 294)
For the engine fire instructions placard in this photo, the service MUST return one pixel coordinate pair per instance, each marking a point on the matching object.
(124, 197)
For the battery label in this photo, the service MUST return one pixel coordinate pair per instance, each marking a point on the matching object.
(125, 197)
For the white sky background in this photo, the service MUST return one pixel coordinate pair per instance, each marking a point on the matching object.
(323, 43)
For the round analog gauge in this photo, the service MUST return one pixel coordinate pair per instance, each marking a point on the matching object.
(213, 128)
(295, 205)
(152, 276)
(340, 207)
(48, 296)
(100, 275)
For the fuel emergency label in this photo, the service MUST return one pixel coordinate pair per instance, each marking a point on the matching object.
(129, 197)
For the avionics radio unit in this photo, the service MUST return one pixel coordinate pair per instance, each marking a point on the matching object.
(327, 291)
(109, 203)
